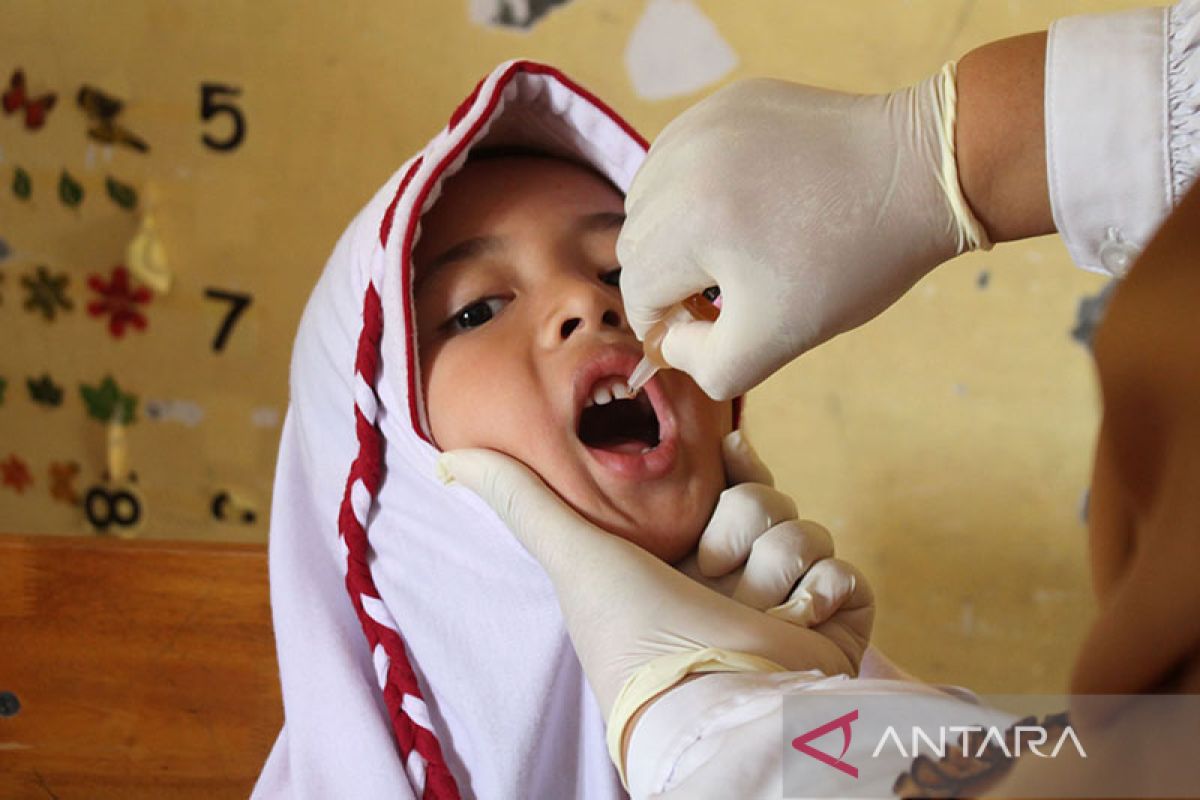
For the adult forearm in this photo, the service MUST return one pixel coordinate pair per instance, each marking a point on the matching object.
(1001, 139)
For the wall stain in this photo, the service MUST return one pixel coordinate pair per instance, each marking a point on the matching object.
(1090, 314)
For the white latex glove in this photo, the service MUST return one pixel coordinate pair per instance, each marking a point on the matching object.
(622, 606)
(755, 550)
(812, 211)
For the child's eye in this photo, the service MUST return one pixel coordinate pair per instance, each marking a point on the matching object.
(612, 277)
(476, 313)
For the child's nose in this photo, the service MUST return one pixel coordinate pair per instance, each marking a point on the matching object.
(585, 308)
(608, 319)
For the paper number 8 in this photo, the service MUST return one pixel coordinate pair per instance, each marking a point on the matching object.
(212, 103)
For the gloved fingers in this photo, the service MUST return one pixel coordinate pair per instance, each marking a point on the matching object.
(743, 513)
(546, 526)
(725, 357)
(831, 587)
(724, 585)
(778, 561)
(693, 347)
(850, 629)
(649, 240)
(742, 464)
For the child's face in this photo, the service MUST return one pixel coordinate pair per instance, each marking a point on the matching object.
(520, 323)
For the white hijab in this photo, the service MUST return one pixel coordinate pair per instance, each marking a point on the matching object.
(421, 649)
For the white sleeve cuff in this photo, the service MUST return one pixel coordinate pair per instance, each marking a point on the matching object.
(1108, 134)
(676, 734)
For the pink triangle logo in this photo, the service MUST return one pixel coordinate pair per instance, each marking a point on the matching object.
(801, 743)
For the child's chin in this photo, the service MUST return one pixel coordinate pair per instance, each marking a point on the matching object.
(666, 545)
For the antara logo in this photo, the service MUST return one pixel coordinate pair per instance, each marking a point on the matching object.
(1032, 737)
(1025, 738)
(801, 743)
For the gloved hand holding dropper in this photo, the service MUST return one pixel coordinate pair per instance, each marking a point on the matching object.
(814, 210)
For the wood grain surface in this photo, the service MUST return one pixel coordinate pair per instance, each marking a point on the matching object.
(143, 669)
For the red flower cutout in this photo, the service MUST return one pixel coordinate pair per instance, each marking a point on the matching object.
(15, 474)
(119, 301)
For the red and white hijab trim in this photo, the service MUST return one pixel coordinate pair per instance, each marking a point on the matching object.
(520, 103)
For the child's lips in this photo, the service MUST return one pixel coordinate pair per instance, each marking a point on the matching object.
(626, 462)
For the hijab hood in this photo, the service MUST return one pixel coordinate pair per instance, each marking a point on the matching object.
(421, 650)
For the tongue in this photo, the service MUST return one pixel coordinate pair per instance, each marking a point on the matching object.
(632, 447)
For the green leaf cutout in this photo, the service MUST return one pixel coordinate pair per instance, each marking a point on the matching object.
(122, 194)
(22, 185)
(69, 190)
(106, 402)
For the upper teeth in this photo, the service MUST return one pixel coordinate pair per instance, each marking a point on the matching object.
(608, 390)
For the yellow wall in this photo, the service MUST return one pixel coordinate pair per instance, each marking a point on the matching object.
(947, 444)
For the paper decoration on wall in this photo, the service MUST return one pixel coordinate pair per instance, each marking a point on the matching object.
(102, 109)
(113, 505)
(227, 508)
(70, 191)
(46, 293)
(14, 474)
(265, 417)
(122, 194)
(522, 14)
(215, 101)
(107, 402)
(62, 482)
(182, 411)
(119, 301)
(675, 50)
(22, 185)
(239, 302)
(147, 256)
(16, 98)
(112, 509)
(45, 391)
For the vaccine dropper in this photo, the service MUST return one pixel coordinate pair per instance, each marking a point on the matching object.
(697, 307)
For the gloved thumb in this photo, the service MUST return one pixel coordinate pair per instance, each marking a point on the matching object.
(834, 599)
(686, 347)
(544, 524)
(713, 353)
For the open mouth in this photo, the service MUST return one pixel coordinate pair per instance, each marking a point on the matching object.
(613, 421)
(631, 438)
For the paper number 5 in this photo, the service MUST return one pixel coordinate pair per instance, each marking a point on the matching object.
(238, 303)
(214, 101)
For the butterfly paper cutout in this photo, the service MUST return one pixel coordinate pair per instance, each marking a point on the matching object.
(102, 109)
(16, 99)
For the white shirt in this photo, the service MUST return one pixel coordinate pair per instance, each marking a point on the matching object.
(1123, 146)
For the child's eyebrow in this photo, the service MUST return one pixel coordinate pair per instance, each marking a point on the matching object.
(465, 250)
(601, 221)
(478, 246)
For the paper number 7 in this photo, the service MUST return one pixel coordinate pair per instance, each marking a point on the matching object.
(238, 303)
(212, 104)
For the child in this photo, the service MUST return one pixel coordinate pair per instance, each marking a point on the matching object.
(516, 302)
(478, 311)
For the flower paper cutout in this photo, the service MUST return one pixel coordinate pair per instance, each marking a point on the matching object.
(46, 293)
(119, 301)
(62, 482)
(15, 474)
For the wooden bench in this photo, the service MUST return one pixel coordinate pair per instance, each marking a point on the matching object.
(142, 669)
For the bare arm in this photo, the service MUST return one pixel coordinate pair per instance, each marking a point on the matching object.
(1001, 137)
